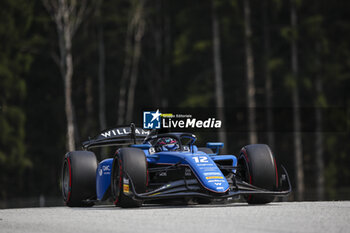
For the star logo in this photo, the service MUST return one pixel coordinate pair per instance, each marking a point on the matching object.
(151, 120)
(155, 115)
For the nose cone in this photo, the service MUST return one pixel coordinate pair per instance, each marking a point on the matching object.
(207, 172)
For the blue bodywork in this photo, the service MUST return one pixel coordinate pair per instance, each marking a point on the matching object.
(201, 164)
(103, 177)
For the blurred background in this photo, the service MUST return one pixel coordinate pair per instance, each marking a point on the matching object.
(275, 71)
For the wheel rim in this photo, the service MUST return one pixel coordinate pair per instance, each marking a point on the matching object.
(66, 180)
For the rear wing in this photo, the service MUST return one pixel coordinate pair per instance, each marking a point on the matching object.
(117, 137)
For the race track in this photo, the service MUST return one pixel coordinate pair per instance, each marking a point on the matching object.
(237, 217)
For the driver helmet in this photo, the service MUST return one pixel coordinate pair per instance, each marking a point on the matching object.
(168, 144)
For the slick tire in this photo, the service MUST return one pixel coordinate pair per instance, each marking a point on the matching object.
(258, 167)
(79, 179)
(129, 165)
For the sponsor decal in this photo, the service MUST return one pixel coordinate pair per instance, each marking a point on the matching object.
(156, 120)
(125, 188)
(212, 181)
(212, 173)
(106, 170)
(205, 164)
(214, 177)
(123, 131)
(208, 169)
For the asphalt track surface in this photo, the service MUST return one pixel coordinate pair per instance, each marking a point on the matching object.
(236, 217)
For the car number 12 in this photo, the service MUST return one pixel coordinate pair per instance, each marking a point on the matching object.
(200, 159)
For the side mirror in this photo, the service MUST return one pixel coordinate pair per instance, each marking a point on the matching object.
(216, 146)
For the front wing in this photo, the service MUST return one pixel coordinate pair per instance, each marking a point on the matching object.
(192, 188)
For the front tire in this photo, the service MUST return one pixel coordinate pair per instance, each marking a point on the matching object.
(79, 178)
(258, 167)
(130, 161)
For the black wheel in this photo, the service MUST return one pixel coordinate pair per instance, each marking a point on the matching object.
(133, 162)
(258, 167)
(206, 150)
(79, 178)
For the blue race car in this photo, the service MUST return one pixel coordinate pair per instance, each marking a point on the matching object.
(149, 167)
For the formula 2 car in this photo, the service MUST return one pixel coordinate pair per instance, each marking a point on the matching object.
(149, 167)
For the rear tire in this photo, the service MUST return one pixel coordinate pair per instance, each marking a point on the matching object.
(259, 169)
(79, 179)
(133, 162)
